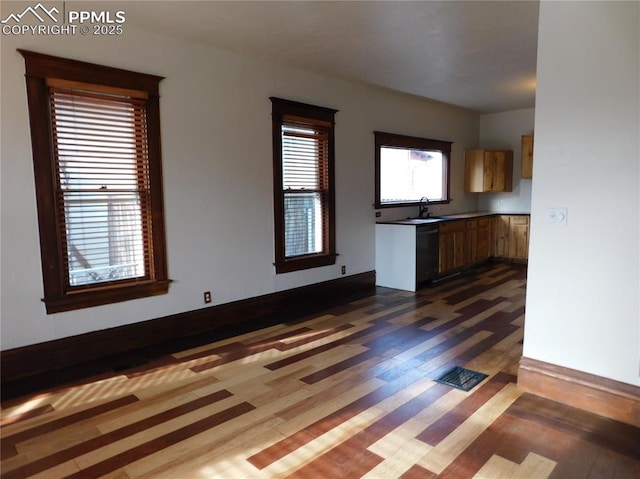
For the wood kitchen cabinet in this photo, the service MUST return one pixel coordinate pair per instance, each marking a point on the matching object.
(519, 237)
(511, 237)
(527, 157)
(483, 240)
(452, 253)
(488, 171)
(501, 236)
(471, 241)
(464, 243)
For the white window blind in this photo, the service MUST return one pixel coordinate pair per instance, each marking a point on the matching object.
(102, 166)
(305, 184)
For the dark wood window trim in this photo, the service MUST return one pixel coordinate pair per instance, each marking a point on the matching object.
(410, 142)
(58, 296)
(282, 110)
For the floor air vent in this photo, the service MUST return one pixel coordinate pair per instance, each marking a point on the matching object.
(461, 378)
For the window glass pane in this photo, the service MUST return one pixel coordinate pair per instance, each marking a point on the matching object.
(406, 175)
(104, 237)
(303, 223)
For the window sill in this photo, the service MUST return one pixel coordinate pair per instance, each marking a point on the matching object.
(97, 297)
(305, 262)
(379, 206)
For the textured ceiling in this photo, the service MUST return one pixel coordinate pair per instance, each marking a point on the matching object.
(475, 54)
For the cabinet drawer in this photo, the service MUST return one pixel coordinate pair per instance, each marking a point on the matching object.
(472, 224)
(520, 220)
(484, 222)
(452, 226)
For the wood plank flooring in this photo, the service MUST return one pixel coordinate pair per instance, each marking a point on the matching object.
(348, 393)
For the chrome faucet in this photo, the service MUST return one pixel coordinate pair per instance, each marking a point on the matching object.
(424, 207)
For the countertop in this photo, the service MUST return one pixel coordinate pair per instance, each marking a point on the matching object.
(435, 219)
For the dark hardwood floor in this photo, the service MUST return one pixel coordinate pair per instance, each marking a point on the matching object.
(346, 393)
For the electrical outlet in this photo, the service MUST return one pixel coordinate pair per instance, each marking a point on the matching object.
(344, 269)
(207, 297)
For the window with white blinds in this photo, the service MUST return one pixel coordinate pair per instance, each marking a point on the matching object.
(303, 184)
(95, 137)
(100, 148)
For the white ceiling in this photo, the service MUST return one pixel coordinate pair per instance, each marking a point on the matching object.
(475, 54)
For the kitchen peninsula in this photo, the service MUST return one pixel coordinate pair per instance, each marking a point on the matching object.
(412, 251)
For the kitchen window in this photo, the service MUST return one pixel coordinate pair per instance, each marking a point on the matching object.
(95, 135)
(408, 169)
(304, 194)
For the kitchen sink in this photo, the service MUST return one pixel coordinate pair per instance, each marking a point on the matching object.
(421, 221)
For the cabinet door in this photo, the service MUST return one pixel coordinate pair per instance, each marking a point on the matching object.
(483, 245)
(527, 157)
(452, 250)
(494, 165)
(474, 171)
(471, 241)
(501, 236)
(488, 170)
(498, 170)
(519, 237)
(459, 253)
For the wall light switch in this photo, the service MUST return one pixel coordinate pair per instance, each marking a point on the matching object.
(557, 216)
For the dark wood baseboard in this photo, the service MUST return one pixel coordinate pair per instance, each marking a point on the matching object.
(595, 394)
(39, 366)
(505, 259)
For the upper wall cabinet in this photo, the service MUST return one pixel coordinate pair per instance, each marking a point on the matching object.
(488, 171)
(527, 156)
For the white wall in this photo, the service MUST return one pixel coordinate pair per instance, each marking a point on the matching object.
(583, 291)
(505, 130)
(216, 139)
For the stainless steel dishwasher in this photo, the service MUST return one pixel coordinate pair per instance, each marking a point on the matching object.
(427, 252)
